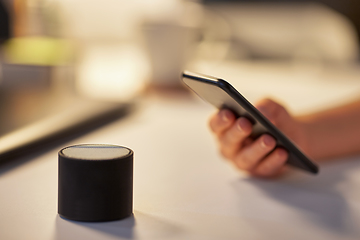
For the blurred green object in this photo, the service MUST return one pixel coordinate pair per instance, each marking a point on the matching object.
(44, 51)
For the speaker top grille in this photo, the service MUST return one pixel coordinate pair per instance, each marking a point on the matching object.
(95, 152)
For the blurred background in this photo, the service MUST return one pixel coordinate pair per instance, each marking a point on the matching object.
(116, 50)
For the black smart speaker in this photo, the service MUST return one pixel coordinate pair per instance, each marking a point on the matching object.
(95, 182)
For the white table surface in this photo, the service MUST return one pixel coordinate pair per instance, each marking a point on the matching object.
(183, 189)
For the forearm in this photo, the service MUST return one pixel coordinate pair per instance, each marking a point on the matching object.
(334, 132)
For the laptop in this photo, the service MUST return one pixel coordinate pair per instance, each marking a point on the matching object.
(35, 114)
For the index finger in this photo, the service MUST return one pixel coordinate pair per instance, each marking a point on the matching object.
(221, 121)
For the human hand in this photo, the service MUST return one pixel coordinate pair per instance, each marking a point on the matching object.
(259, 157)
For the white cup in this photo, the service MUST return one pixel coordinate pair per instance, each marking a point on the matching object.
(171, 38)
(170, 46)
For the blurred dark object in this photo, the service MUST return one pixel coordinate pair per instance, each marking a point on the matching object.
(4, 23)
(349, 8)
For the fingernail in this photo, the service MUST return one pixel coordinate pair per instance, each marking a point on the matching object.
(268, 141)
(225, 116)
(243, 124)
(282, 152)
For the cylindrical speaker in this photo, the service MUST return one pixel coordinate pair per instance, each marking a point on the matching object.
(95, 182)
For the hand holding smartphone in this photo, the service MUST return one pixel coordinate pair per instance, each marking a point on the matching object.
(221, 94)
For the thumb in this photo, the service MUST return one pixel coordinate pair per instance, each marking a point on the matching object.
(272, 110)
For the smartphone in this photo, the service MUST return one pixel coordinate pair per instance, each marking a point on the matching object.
(222, 95)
